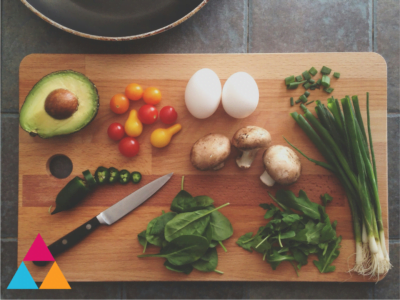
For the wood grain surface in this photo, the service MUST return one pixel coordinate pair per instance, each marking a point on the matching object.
(110, 253)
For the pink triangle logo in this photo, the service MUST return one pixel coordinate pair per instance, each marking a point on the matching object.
(38, 251)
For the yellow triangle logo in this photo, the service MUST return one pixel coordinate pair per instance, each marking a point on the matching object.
(55, 280)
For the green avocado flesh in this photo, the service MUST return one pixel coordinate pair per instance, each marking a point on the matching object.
(34, 118)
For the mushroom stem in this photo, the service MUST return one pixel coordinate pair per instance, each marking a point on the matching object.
(246, 158)
(266, 179)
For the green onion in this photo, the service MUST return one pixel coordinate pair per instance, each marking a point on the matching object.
(306, 75)
(336, 75)
(307, 93)
(303, 98)
(309, 102)
(306, 85)
(312, 81)
(289, 80)
(325, 81)
(319, 81)
(313, 71)
(325, 70)
(299, 78)
(313, 87)
(294, 85)
(341, 139)
(291, 101)
(329, 90)
(298, 101)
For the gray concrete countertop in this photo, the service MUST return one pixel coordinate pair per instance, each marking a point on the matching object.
(222, 26)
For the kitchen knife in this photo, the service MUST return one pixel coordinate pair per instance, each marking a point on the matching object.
(107, 217)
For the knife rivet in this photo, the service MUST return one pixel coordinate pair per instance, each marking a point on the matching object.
(64, 241)
(88, 226)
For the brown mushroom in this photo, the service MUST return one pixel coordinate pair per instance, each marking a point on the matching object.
(248, 140)
(210, 152)
(282, 165)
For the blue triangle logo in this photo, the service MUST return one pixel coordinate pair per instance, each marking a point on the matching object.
(22, 280)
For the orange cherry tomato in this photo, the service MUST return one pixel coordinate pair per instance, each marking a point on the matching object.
(119, 103)
(152, 95)
(133, 91)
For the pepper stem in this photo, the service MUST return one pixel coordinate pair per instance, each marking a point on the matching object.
(183, 180)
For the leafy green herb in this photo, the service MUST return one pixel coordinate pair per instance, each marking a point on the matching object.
(326, 199)
(291, 236)
(208, 262)
(184, 202)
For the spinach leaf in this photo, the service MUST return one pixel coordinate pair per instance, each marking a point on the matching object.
(208, 233)
(187, 269)
(301, 203)
(183, 250)
(184, 202)
(276, 258)
(189, 223)
(155, 229)
(214, 244)
(208, 262)
(221, 227)
(142, 240)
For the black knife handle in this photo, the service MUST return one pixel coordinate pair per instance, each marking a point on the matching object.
(71, 239)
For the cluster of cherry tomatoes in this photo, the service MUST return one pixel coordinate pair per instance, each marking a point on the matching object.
(147, 114)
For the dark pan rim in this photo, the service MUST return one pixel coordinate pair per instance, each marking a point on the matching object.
(114, 39)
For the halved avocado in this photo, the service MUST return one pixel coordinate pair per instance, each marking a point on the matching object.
(61, 103)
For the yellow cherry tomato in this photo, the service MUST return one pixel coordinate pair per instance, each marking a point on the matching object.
(152, 95)
(133, 126)
(162, 136)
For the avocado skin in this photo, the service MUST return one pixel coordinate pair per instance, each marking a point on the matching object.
(69, 71)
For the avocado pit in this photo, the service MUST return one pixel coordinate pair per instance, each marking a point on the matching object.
(61, 104)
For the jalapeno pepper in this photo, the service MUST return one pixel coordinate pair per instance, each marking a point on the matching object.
(91, 182)
(114, 175)
(102, 175)
(136, 177)
(124, 176)
(71, 195)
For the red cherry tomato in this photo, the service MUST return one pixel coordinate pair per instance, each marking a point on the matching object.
(129, 147)
(168, 115)
(148, 114)
(116, 131)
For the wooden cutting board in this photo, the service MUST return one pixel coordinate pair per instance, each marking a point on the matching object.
(110, 253)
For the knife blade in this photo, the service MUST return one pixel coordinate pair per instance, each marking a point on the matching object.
(107, 217)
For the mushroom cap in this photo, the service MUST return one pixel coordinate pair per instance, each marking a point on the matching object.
(210, 151)
(282, 164)
(251, 137)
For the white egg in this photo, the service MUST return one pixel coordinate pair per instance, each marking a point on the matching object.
(203, 93)
(240, 95)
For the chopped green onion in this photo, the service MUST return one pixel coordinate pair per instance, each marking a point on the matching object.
(313, 71)
(311, 81)
(309, 102)
(326, 81)
(303, 98)
(319, 81)
(306, 85)
(294, 85)
(313, 87)
(306, 75)
(326, 70)
(291, 101)
(307, 93)
(289, 80)
(299, 78)
(329, 90)
(336, 75)
(298, 101)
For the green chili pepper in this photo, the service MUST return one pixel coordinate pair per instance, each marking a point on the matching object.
(91, 182)
(102, 175)
(124, 176)
(114, 175)
(71, 195)
(136, 177)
